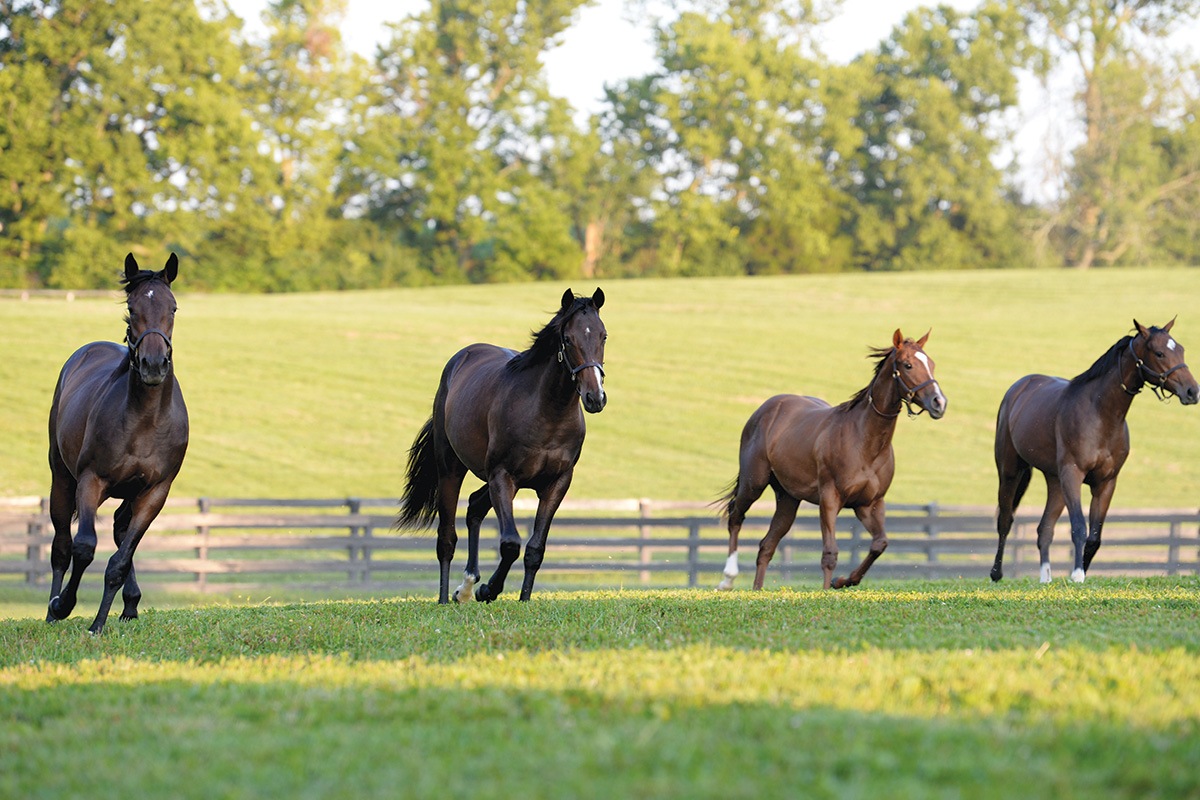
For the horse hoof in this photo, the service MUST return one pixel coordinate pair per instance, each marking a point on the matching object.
(997, 575)
(56, 609)
(1078, 575)
(838, 583)
(484, 594)
(464, 593)
(726, 585)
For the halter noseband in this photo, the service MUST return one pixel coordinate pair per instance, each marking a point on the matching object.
(907, 395)
(1143, 371)
(565, 360)
(133, 345)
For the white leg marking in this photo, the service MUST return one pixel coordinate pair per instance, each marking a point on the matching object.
(1077, 575)
(731, 572)
(1046, 572)
(465, 592)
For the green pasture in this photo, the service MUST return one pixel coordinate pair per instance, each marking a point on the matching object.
(321, 394)
(920, 690)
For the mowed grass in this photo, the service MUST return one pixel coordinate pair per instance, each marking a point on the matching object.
(915, 691)
(321, 394)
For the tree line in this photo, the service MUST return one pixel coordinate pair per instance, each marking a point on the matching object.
(285, 162)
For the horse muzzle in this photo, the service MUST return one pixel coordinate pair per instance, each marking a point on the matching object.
(935, 402)
(153, 371)
(594, 402)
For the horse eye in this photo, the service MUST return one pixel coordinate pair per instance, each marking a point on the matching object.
(908, 366)
(1158, 353)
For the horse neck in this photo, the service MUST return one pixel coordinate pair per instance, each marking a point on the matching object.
(556, 391)
(145, 399)
(877, 417)
(1115, 389)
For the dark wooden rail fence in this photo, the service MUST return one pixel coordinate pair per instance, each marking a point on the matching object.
(217, 545)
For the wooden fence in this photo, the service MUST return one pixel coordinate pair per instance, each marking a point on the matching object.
(219, 545)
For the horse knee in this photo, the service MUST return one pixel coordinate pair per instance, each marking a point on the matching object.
(879, 545)
(82, 553)
(533, 558)
(829, 559)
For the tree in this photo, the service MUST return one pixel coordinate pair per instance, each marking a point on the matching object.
(927, 193)
(1123, 178)
(459, 138)
(120, 131)
(737, 126)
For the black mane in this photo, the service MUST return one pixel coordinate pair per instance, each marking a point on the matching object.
(142, 276)
(545, 343)
(880, 354)
(1106, 362)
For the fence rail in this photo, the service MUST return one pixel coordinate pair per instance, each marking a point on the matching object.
(221, 544)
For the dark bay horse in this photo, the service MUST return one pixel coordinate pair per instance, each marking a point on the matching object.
(835, 457)
(118, 428)
(512, 419)
(1075, 433)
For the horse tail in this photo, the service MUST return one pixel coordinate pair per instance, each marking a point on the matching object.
(725, 502)
(419, 504)
(1022, 485)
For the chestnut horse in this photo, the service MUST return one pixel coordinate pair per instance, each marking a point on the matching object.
(835, 457)
(513, 420)
(1075, 433)
(118, 428)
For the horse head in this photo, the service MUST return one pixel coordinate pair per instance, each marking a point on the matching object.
(151, 318)
(582, 347)
(913, 371)
(1161, 363)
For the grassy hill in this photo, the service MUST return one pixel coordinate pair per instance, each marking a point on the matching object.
(321, 394)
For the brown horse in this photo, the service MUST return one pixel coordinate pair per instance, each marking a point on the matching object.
(118, 428)
(513, 420)
(835, 457)
(1075, 433)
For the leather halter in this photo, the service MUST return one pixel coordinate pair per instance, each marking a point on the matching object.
(565, 360)
(133, 345)
(1144, 371)
(907, 395)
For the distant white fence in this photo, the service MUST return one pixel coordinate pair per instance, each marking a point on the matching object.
(213, 545)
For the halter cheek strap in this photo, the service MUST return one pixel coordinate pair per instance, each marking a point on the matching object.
(907, 395)
(1144, 371)
(563, 358)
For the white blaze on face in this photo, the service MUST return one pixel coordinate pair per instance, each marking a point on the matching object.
(1170, 344)
(924, 359)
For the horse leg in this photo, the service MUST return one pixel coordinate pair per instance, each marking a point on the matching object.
(88, 497)
(1014, 473)
(781, 522)
(831, 504)
(1012, 488)
(750, 486)
(549, 499)
(1071, 480)
(131, 593)
(449, 485)
(872, 519)
(1045, 528)
(144, 509)
(1101, 496)
(503, 488)
(479, 504)
(62, 509)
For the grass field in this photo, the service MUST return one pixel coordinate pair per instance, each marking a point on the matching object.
(321, 395)
(901, 690)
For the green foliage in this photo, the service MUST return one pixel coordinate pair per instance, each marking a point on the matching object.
(902, 690)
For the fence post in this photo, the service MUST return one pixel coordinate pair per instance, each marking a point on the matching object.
(931, 533)
(855, 543)
(352, 551)
(694, 554)
(644, 533)
(1173, 549)
(203, 504)
(33, 553)
(367, 535)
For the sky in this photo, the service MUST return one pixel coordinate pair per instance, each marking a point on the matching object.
(604, 47)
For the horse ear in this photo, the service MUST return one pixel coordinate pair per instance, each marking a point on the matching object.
(897, 338)
(598, 298)
(567, 299)
(131, 267)
(921, 342)
(1167, 327)
(1141, 329)
(172, 268)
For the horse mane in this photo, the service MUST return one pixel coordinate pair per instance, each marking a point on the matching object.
(545, 343)
(880, 354)
(1104, 363)
(130, 284)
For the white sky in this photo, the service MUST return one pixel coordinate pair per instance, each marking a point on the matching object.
(604, 47)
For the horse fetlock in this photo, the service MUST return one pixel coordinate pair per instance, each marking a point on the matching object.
(997, 574)
(465, 592)
(59, 608)
(1078, 575)
(726, 583)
